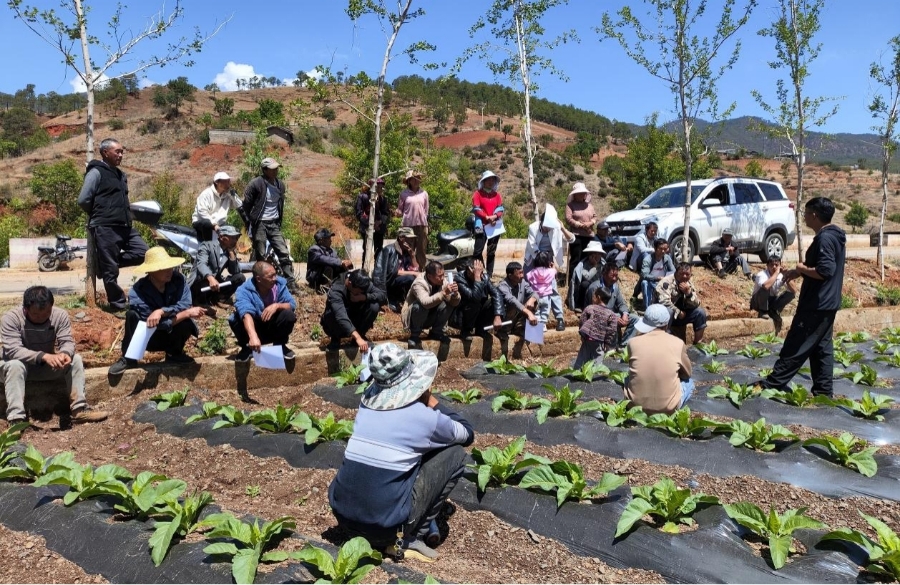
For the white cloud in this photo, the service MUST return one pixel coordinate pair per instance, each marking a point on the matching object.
(78, 85)
(144, 83)
(232, 72)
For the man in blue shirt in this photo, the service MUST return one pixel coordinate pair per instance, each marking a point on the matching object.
(263, 313)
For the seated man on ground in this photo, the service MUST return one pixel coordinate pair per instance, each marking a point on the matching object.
(677, 293)
(351, 308)
(618, 250)
(396, 268)
(598, 326)
(404, 457)
(263, 313)
(609, 280)
(162, 299)
(585, 274)
(215, 258)
(726, 257)
(322, 262)
(38, 346)
(659, 369)
(480, 305)
(519, 301)
(429, 304)
(654, 268)
(769, 297)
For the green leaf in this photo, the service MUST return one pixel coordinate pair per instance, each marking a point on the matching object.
(636, 509)
(162, 538)
(779, 547)
(484, 476)
(318, 558)
(221, 548)
(748, 515)
(243, 566)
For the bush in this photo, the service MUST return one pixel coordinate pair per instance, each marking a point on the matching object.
(151, 126)
(115, 124)
(857, 216)
(59, 184)
(754, 169)
(11, 226)
(215, 340)
(847, 301)
(887, 295)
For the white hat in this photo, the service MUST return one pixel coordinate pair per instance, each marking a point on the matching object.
(579, 188)
(221, 176)
(655, 317)
(593, 247)
(269, 163)
(485, 176)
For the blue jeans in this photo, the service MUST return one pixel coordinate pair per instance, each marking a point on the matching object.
(687, 390)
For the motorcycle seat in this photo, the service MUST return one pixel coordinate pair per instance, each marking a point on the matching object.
(181, 229)
(447, 237)
(46, 250)
(63, 238)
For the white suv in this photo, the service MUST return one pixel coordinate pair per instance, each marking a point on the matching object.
(758, 212)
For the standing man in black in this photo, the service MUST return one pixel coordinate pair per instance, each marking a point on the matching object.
(820, 298)
(263, 210)
(104, 197)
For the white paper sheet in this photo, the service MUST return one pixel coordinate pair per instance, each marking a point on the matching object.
(534, 333)
(492, 231)
(551, 218)
(139, 341)
(270, 357)
(365, 373)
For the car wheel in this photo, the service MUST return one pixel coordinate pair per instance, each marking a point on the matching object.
(675, 249)
(773, 246)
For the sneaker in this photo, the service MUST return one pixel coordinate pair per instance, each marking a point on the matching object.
(287, 353)
(179, 358)
(244, 355)
(118, 368)
(761, 315)
(560, 325)
(87, 415)
(748, 275)
(414, 342)
(419, 551)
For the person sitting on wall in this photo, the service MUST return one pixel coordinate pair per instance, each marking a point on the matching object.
(322, 262)
(519, 300)
(429, 304)
(677, 293)
(654, 268)
(617, 250)
(726, 257)
(214, 258)
(772, 293)
(586, 273)
(263, 313)
(396, 268)
(162, 300)
(352, 305)
(480, 305)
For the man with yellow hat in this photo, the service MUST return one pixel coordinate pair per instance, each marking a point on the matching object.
(162, 299)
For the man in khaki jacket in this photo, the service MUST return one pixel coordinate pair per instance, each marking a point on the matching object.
(659, 370)
(429, 304)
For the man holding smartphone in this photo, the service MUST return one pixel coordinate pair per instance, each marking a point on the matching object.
(429, 304)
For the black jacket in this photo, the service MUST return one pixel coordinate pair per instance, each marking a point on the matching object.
(339, 299)
(107, 205)
(717, 248)
(478, 292)
(363, 208)
(255, 201)
(318, 258)
(826, 254)
(387, 265)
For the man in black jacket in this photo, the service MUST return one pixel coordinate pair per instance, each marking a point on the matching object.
(262, 210)
(350, 309)
(480, 301)
(214, 258)
(104, 197)
(395, 268)
(726, 257)
(322, 262)
(820, 298)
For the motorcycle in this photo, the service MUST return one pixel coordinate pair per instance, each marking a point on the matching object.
(454, 246)
(49, 259)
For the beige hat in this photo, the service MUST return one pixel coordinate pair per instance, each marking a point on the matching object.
(406, 232)
(411, 174)
(399, 376)
(579, 188)
(269, 163)
(158, 259)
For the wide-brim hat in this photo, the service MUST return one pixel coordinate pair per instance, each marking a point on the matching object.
(485, 176)
(399, 376)
(411, 175)
(593, 247)
(157, 258)
(579, 188)
(655, 317)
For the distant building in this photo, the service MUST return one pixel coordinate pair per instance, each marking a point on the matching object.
(277, 134)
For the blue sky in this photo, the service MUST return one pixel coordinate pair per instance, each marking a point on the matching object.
(281, 38)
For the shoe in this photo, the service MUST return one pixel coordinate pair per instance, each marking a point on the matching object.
(441, 337)
(394, 307)
(419, 551)
(560, 325)
(761, 315)
(287, 353)
(86, 415)
(434, 535)
(414, 342)
(15, 421)
(179, 358)
(722, 274)
(118, 368)
(244, 355)
(748, 275)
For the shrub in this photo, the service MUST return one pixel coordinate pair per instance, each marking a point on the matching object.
(59, 184)
(215, 340)
(115, 124)
(857, 216)
(151, 126)
(887, 295)
(11, 226)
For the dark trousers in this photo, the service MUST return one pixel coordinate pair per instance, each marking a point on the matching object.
(433, 319)
(472, 315)
(398, 289)
(204, 229)
(377, 245)
(276, 330)
(809, 337)
(481, 241)
(270, 231)
(362, 315)
(117, 246)
(763, 302)
(199, 297)
(167, 338)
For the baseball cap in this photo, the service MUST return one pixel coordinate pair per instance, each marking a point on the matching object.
(655, 316)
(269, 163)
(406, 232)
(228, 230)
(221, 176)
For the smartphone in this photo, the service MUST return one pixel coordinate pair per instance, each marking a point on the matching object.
(449, 278)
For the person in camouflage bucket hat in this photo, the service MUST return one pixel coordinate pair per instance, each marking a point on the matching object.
(399, 376)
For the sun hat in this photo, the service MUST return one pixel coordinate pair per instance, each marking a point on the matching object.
(406, 232)
(158, 259)
(485, 176)
(655, 316)
(269, 163)
(579, 188)
(221, 176)
(411, 174)
(593, 247)
(399, 376)
(228, 230)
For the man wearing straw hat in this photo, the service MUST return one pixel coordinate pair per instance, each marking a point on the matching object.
(404, 458)
(162, 299)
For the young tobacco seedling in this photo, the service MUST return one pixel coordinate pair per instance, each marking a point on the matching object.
(736, 392)
(86, 482)
(847, 337)
(765, 372)
(495, 466)
(665, 501)
(231, 417)
(891, 360)
(470, 396)
(754, 353)
(680, 423)
(777, 528)
(275, 420)
(588, 372)
(147, 493)
(869, 407)
(883, 347)
(618, 376)
(547, 370)
(210, 410)
(8, 439)
(354, 561)
(252, 542)
(183, 519)
(512, 399)
(567, 480)
(769, 338)
(252, 491)
(322, 430)
(891, 334)
(866, 376)
(620, 355)
(849, 451)
(564, 403)
(798, 396)
(349, 375)
(169, 400)
(712, 348)
(503, 367)
(714, 367)
(618, 413)
(757, 436)
(846, 358)
(884, 554)
(36, 465)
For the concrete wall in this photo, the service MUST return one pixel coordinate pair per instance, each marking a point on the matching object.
(23, 252)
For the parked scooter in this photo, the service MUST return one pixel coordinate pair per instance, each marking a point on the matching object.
(49, 259)
(455, 245)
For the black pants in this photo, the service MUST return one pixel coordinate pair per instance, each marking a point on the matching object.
(481, 241)
(199, 297)
(809, 337)
(117, 246)
(377, 245)
(763, 302)
(398, 289)
(170, 339)
(204, 229)
(472, 315)
(362, 315)
(276, 330)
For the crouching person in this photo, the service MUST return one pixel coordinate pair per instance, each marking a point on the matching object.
(351, 308)
(404, 457)
(677, 293)
(215, 258)
(38, 346)
(429, 304)
(162, 300)
(263, 313)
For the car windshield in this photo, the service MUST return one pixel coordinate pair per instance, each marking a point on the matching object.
(669, 197)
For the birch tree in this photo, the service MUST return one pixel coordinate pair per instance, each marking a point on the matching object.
(517, 51)
(793, 30)
(885, 107)
(665, 45)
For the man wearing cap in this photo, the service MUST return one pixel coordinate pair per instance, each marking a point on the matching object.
(214, 259)
(725, 257)
(263, 210)
(396, 268)
(162, 300)
(429, 304)
(263, 313)
(617, 249)
(586, 273)
(487, 205)
(659, 369)
(771, 292)
(404, 457)
(382, 215)
(352, 305)
(104, 197)
(322, 262)
(413, 211)
(213, 205)
(677, 293)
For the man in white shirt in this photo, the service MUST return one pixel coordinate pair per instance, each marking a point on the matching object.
(771, 293)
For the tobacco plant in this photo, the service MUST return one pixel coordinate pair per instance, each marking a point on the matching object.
(567, 480)
(712, 348)
(883, 347)
(322, 430)
(210, 410)
(503, 367)
(757, 436)
(798, 396)
(847, 337)
(354, 561)
(589, 371)
(250, 542)
(765, 372)
(148, 493)
(869, 407)
(564, 403)
(736, 392)
(714, 367)
(777, 528)
(618, 376)
(496, 466)
(770, 338)
(231, 417)
(665, 501)
(512, 399)
(620, 355)
(470, 396)
(349, 375)
(86, 482)
(891, 334)
(891, 360)
(754, 353)
(169, 400)
(183, 519)
(276, 420)
(884, 554)
(547, 370)
(846, 358)
(618, 413)
(8, 439)
(680, 423)
(849, 451)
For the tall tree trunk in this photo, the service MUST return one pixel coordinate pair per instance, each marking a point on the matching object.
(90, 281)
(526, 85)
(885, 161)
